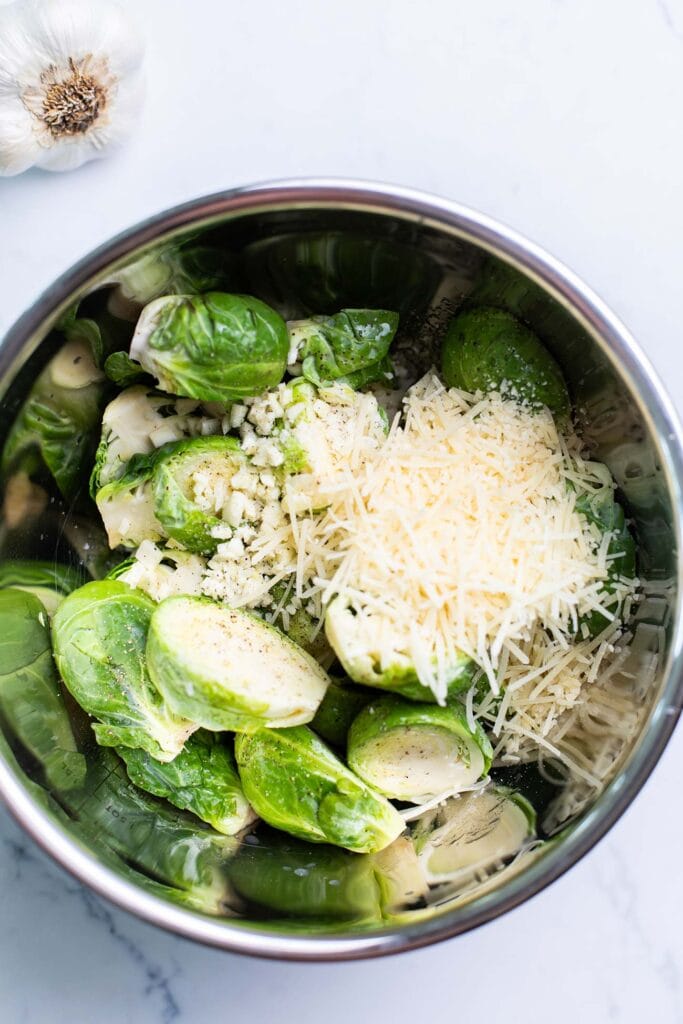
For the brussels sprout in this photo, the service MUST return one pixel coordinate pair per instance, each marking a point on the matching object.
(55, 425)
(99, 634)
(601, 510)
(295, 783)
(350, 346)
(167, 844)
(137, 422)
(290, 877)
(472, 832)
(340, 705)
(358, 649)
(127, 504)
(48, 581)
(488, 349)
(302, 628)
(216, 347)
(202, 779)
(414, 752)
(188, 482)
(30, 701)
(227, 669)
(123, 370)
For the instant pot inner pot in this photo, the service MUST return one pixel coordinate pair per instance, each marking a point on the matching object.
(306, 261)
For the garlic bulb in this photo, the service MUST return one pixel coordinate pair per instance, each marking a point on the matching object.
(70, 82)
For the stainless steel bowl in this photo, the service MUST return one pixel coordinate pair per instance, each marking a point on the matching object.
(316, 245)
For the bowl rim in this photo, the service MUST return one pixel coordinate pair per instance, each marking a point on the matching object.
(657, 409)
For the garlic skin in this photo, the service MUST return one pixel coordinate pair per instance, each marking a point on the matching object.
(71, 82)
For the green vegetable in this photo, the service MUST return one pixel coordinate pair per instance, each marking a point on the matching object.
(137, 422)
(202, 779)
(302, 628)
(99, 635)
(340, 705)
(175, 485)
(55, 425)
(127, 503)
(473, 832)
(123, 370)
(601, 510)
(166, 844)
(364, 663)
(488, 349)
(215, 347)
(290, 877)
(47, 581)
(415, 752)
(295, 783)
(30, 701)
(350, 346)
(226, 669)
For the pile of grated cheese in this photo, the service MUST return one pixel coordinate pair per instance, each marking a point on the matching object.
(459, 533)
(455, 532)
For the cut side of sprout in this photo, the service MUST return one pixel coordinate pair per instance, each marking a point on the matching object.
(230, 670)
(193, 494)
(414, 752)
(473, 832)
(416, 764)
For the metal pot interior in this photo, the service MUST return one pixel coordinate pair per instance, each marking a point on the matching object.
(308, 252)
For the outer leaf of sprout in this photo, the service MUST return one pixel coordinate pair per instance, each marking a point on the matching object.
(99, 635)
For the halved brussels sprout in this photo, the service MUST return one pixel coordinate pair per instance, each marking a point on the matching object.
(351, 346)
(415, 752)
(601, 510)
(295, 783)
(285, 875)
(215, 347)
(488, 349)
(47, 581)
(472, 832)
(227, 669)
(137, 422)
(202, 779)
(55, 425)
(357, 642)
(192, 490)
(127, 505)
(340, 705)
(99, 634)
(30, 701)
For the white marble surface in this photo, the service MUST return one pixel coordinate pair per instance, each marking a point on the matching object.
(562, 118)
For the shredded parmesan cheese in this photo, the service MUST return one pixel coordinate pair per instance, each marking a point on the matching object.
(459, 534)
